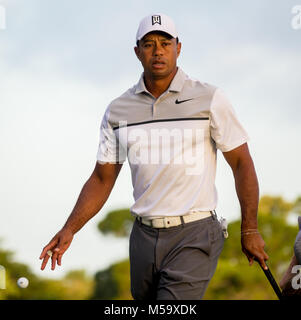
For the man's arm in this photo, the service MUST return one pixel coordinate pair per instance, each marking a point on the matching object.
(247, 190)
(286, 281)
(92, 197)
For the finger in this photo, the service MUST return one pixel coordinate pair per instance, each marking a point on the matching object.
(262, 258)
(59, 259)
(251, 260)
(44, 251)
(61, 250)
(54, 257)
(58, 255)
(49, 246)
(261, 261)
(248, 255)
(53, 260)
(44, 262)
(263, 264)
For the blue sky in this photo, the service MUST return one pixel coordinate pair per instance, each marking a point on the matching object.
(62, 62)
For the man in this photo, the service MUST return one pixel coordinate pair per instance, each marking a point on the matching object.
(286, 283)
(169, 126)
(297, 244)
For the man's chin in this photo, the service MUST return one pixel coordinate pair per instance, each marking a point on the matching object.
(159, 73)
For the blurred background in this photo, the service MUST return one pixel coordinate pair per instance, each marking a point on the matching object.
(62, 62)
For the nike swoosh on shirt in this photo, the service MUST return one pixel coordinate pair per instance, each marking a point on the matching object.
(178, 102)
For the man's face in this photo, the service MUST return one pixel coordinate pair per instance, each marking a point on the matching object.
(158, 54)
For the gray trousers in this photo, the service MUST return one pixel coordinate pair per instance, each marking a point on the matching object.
(176, 263)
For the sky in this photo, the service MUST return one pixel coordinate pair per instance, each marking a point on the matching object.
(62, 62)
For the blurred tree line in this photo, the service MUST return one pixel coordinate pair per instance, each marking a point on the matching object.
(234, 278)
(75, 285)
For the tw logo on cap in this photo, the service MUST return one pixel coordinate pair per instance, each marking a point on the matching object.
(156, 19)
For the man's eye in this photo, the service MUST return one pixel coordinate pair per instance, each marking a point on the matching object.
(165, 43)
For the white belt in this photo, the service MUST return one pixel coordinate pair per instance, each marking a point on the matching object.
(168, 222)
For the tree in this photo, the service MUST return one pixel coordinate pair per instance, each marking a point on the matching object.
(113, 282)
(118, 222)
(75, 285)
(275, 206)
(234, 278)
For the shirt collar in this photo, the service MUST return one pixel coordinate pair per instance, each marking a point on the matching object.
(140, 86)
(177, 82)
(176, 85)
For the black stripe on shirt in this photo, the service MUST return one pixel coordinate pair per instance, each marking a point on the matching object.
(160, 120)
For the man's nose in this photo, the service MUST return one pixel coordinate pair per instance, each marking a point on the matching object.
(158, 50)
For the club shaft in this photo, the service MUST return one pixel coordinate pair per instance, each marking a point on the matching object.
(273, 282)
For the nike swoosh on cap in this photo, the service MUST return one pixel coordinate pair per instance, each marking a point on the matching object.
(178, 102)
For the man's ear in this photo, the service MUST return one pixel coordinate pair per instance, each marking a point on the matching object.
(137, 51)
(179, 47)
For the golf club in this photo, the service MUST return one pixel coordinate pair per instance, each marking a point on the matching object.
(272, 281)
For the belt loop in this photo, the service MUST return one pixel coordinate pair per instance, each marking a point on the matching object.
(182, 220)
(139, 220)
(213, 214)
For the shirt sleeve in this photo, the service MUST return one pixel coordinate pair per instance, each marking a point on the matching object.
(109, 150)
(225, 129)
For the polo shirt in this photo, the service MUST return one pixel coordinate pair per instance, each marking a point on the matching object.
(171, 144)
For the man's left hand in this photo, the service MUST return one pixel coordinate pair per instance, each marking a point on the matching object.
(253, 247)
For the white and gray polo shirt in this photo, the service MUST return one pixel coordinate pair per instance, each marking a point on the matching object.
(171, 144)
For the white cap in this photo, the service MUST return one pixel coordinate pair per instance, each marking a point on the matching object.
(156, 22)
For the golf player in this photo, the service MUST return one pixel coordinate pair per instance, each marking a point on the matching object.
(286, 283)
(169, 127)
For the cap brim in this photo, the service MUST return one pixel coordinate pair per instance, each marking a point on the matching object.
(157, 31)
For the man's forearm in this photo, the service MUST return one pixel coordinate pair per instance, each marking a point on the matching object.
(247, 190)
(248, 194)
(91, 199)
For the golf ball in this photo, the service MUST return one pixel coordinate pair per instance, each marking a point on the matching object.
(23, 282)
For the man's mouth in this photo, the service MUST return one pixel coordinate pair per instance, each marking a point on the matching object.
(157, 64)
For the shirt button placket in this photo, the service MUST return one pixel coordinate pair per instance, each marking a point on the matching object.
(154, 108)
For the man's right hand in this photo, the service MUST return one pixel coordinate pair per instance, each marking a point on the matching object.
(91, 199)
(58, 245)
